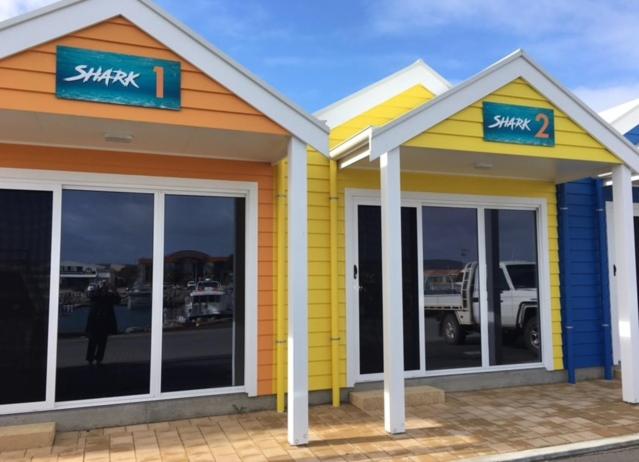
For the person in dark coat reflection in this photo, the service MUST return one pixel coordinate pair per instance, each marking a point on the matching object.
(101, 322)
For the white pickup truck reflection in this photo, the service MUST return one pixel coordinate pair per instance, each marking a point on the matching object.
(452, 296)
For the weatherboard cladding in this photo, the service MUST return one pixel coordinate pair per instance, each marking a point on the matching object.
(584, 286)
(27, 83)
(633, 135)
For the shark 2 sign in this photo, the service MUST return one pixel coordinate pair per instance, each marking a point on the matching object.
(507, 123)
(88, 75)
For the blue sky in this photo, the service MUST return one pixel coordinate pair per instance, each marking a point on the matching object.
(316, 52)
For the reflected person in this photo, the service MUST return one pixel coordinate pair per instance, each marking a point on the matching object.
(101, 322)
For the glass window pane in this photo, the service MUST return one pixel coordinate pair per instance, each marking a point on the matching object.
(25, 263)
(203, 333)
(104, 328)
(451, 288)
(370, 293)
(512, 284)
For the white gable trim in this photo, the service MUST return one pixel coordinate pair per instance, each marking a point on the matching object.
(516, 65)
(624, 117)
(68, 16)
(373, 95)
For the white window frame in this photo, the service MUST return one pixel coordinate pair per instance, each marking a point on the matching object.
(356, 197)
(610, 241)
(56, 182)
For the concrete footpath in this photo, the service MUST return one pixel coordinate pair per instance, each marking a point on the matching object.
(531, 423)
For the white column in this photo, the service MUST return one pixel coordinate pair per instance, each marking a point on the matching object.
(297, 294)
(394, 418)
(626, 282)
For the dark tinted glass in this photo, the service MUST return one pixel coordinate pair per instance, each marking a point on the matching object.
(370, 293)
(511, 249)
(451, 288)
(203, 333)
(25, 259)
(104, 328)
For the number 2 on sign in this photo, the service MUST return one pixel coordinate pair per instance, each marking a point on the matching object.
(543, 118)
(159, 82)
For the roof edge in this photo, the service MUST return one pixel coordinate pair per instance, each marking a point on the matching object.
(378, 92)
(515, 65)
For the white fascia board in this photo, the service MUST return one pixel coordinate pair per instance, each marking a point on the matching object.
(516, 65)
(68, 16)
(626, 121)
(377, 93)
(356, 141)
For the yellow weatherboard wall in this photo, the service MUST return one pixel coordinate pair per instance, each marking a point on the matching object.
(382, 114)
(464, 130)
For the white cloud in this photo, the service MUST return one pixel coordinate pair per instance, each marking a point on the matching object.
(10, 8)
(601, 98)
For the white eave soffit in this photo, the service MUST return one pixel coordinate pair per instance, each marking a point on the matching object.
(67, 16)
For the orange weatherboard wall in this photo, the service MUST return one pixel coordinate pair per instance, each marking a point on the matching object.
(80, 160)
(27, 83)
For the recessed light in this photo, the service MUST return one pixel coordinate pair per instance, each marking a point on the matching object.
(112, 137)
(483, 165)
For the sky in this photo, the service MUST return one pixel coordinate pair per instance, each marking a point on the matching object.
(317, 52)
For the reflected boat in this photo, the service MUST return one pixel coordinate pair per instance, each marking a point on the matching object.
(139, 298)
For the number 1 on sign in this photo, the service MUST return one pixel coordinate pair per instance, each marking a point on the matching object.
(159, 82)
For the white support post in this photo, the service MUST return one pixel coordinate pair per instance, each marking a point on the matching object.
(297, 294)
(394, 412)
(626, 281)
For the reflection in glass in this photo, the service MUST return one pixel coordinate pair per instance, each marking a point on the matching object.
(203, 322)
(511, 261)
(104, 327)
(370, 292)
(451, 288)
(25, 259)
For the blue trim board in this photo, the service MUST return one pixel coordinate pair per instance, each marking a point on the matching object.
(584, 277)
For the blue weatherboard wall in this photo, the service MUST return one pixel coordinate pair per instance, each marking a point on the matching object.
(585, 292)
(633, 135)
(584, 276)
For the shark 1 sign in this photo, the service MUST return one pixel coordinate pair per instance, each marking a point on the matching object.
(89, 75)
(506, 123)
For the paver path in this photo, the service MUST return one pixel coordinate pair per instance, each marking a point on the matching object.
(469, 424)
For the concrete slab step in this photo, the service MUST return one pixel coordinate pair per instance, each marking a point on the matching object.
(373, 400)
(30, 436)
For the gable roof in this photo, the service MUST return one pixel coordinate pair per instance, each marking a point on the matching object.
(516, 65)
(67, 16)
(624, 117)
(418, 73)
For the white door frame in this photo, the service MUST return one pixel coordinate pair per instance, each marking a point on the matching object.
(610, 242)
(356, 197)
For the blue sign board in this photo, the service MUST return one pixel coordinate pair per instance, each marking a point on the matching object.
(117, 79)
(507, 123)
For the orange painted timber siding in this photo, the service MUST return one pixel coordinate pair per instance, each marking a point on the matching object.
(79, 160)
(27, 83)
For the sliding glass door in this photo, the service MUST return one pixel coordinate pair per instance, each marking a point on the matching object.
(479, 274)
(512, 286)
(451, 288)
(104, 316)
(369, 273)
(203, 309)
(25, 264)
